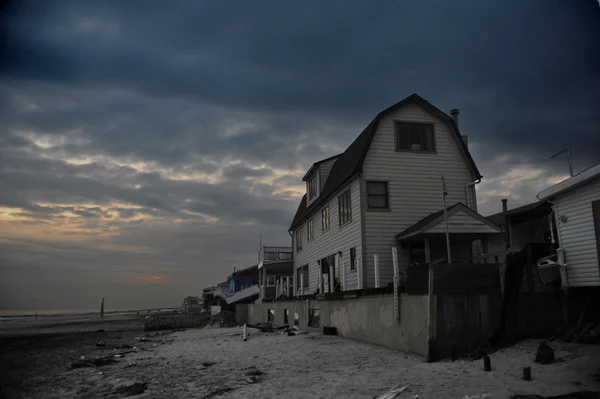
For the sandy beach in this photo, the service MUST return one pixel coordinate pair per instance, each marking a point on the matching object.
(36, 360)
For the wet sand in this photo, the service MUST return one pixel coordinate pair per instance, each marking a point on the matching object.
(34, 353)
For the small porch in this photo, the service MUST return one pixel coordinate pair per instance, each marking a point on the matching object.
(458, 237)
(275, 273)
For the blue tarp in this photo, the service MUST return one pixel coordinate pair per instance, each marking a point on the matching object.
(235, 284)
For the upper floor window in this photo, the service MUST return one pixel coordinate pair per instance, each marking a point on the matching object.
(345, 207)
(299, 239)
(377, 195)
(325, 218)
(414, 137)
(310, 230)
(312, 188)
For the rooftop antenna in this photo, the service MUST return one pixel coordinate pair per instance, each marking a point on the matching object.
(567, 149)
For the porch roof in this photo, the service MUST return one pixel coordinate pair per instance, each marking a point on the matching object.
(461, 220)
(283, 268)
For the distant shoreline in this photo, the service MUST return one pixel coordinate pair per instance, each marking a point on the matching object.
(18, 313)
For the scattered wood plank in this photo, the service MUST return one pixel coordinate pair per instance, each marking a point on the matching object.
(571, 332)
(394, 392)
(585, 330)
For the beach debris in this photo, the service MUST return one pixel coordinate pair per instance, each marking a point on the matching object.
(544, 354)
(131, 390)
(101, 344)
(527, 373)
(223, 319)
(264, 327)
(208, 364)
(487, 363)
(101, 330)
(478, 396)
(296, 332)
(253, 375)
(329, 330)
(118, 356)
(394, 392)
(130, 365)
(97, 362)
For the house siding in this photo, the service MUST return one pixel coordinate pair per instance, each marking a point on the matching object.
(324, 170)
(337, 238)
(414, 186)
(577, 236)
(460, 222)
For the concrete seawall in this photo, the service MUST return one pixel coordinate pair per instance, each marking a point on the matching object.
(369, 319)
(171, 322)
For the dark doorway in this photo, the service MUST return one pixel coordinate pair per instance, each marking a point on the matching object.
(331, 282)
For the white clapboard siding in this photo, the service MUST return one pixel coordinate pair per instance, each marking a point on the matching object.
(414, 185)
(324, 169)
(577, 235)
(460, 222)
(332, 241)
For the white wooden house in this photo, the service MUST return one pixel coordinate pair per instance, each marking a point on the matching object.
(576, 209)
(385, 191)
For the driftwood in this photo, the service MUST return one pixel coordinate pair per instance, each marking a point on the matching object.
(267, 327)
(394, 392)
(296, 332)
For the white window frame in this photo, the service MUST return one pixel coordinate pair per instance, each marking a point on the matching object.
(345, 209)
(387, 195)
(325, 218)
(310, 230)
(312, 187)
(299, 239)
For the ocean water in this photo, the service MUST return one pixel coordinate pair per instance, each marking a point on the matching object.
(55, 312)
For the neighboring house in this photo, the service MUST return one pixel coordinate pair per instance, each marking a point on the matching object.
(385, 191)
(576, 205)
(191, 303)
(526, 225)
(243, 286)
(222, 289)
(208, 294)
(276, 271)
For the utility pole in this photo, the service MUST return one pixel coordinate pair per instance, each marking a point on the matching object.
(444, 193)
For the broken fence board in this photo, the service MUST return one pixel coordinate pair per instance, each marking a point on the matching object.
(394, 392)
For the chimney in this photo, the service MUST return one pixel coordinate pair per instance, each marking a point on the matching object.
(454, 113)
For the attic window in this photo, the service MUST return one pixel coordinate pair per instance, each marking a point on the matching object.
(417, 137)
(312, 188)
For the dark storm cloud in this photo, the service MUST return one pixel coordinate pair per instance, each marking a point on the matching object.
(143, 103)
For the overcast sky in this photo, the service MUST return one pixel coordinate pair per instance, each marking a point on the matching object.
(144, 147)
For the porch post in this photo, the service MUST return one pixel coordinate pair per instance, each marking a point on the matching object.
(376, 263)
(264, 282)
(331, 278)
(427, 251)
(484, 249)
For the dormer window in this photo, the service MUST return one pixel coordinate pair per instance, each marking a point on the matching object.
(416, 137)
(313, 189)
